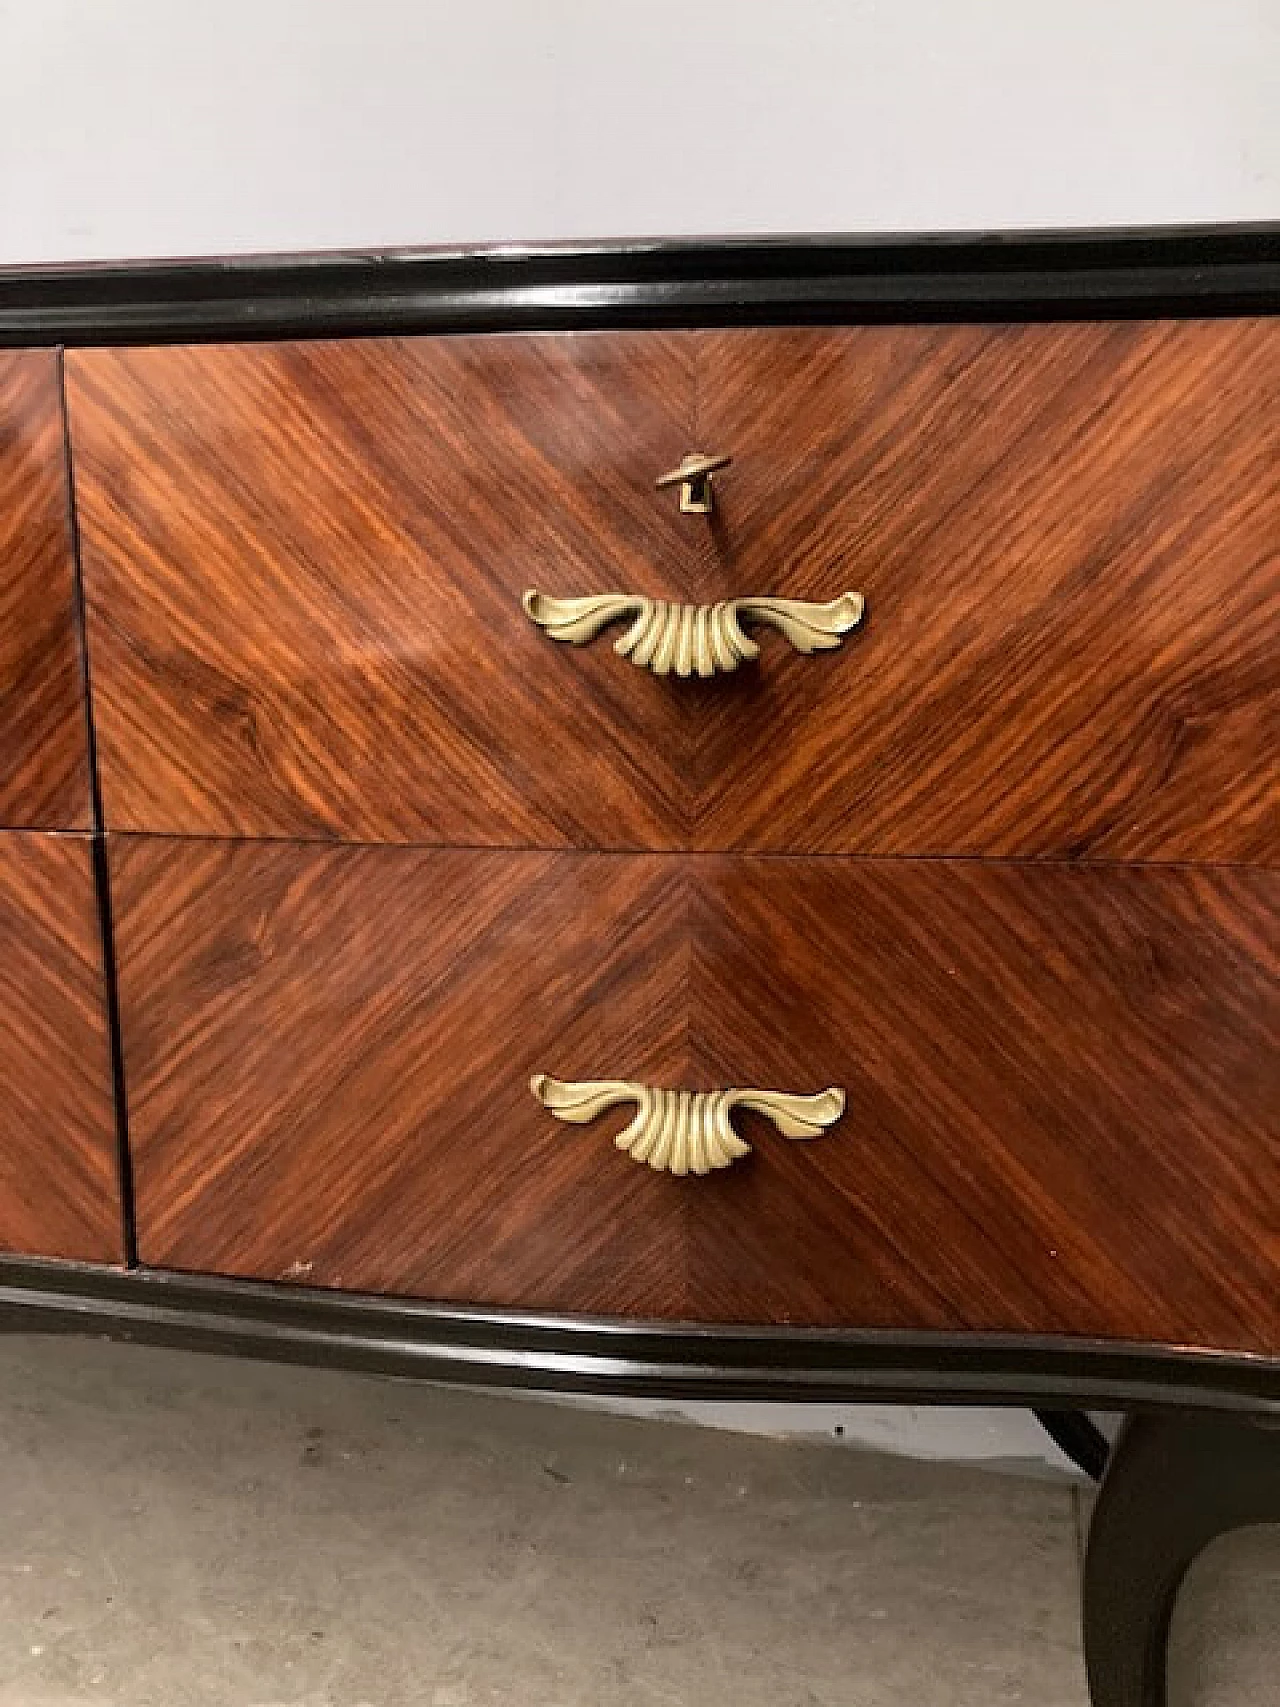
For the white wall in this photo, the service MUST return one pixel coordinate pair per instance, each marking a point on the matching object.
(150, 127)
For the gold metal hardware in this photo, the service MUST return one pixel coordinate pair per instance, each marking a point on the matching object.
(693, 477)
(694, 639)
(686, 1132)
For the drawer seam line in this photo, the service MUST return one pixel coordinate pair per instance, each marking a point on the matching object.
(98, 851)
(1026, 861)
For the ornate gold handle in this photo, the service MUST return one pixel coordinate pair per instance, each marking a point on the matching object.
(693, 477)
(686, 1132)
(689, 639)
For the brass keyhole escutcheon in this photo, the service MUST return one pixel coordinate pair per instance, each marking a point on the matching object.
(693, 477)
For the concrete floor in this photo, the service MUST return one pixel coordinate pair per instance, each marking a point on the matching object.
(184, 1532)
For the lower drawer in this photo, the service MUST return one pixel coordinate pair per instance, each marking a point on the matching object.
(59, 1184)
(1062, 1083)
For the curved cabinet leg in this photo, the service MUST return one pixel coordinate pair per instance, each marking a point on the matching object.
(1173, 1483)
(1078, 1437)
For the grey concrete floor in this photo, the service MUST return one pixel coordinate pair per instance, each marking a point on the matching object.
(186, 1532)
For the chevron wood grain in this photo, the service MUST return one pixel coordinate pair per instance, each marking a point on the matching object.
(59, 1189)
(1062, 1082)
(44, 779)
(1068, 537)
(304, 565)
(1064, 1096)
(331, 1049)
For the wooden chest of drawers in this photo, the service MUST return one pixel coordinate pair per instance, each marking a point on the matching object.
(836, 765)
(306, 569)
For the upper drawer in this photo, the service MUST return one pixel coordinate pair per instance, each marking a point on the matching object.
(305, 566)
(44, 778)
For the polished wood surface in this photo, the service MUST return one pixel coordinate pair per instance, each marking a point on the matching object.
(329, 1053)
(1063, 1083)
(304, 564)
(59, 1190)
(1069, 541)
(44, 779)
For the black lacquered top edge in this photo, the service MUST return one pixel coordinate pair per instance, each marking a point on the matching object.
(1209, 270)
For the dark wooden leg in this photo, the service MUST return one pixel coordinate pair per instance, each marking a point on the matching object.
(1173, 1483)
(1078, 1436)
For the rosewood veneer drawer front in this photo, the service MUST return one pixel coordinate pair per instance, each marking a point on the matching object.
(1062, 1083)
(44, 780)
(305, 566)
(1068, 537)
(59, 1188)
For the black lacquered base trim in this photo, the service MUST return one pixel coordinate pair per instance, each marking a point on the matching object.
(1196, 270)
(590, 1355)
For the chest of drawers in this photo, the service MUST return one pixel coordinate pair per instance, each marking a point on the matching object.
(617, 839)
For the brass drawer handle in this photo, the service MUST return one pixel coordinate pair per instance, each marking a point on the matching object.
(693, 477)
(689, 639)
(686, 1132)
